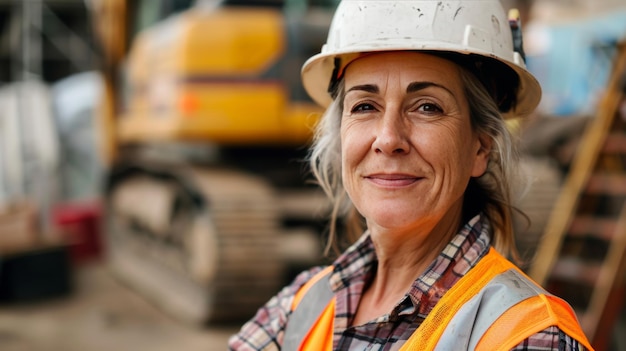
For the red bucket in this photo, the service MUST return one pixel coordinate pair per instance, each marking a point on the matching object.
(79, 224)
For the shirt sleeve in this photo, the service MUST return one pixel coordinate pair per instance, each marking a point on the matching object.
(266, 329)
(551, 338)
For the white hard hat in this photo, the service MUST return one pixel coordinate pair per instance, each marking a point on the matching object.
(477, 27)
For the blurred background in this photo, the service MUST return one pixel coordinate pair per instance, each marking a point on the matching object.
(153, 192)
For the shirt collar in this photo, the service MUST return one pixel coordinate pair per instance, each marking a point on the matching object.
(460, 254)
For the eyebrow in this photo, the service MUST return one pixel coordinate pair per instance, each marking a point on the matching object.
(370, 88)
(417, 86)
(413, 87)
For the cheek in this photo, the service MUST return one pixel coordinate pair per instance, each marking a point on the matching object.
(355, 145)
(347, 155)
(453, 150)
(443, 144)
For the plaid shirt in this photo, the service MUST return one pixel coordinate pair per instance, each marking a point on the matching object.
(354, 269)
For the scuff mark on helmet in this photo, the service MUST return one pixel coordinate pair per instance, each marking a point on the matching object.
(496, 24)
(457, 12)
(419, 11)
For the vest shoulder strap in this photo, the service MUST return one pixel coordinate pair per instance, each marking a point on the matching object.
(539, 312)
(427, 336)
(307, 310)
(514, 309)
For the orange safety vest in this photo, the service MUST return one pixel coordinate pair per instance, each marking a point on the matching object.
(495, 306)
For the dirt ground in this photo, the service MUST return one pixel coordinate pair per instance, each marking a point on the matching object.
(101, 314)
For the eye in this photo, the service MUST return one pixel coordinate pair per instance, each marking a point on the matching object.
(362, 107)
(429, 108)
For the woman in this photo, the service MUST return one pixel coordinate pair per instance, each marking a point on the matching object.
(414, 139)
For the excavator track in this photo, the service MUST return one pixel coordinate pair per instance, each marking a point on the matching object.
(201, 243)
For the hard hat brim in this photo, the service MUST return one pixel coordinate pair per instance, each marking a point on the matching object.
(318, 70)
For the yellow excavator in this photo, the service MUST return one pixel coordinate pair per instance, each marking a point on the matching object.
(204, 127)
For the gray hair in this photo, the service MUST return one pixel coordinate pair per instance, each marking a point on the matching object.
(490, 193)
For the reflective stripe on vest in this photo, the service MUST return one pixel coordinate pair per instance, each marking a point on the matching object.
(317, 294)
(493, 307)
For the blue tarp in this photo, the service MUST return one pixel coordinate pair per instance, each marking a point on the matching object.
(575, 67)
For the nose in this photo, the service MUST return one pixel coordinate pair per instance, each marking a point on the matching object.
(391, 135)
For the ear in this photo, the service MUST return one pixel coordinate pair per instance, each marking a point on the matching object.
(481, 160)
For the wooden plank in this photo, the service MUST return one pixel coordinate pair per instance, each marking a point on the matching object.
(609, 277)
(607, 183)
(587, 153)
(601, 228)
(615, 144)
(576, 270)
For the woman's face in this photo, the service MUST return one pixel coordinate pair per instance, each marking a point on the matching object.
(408, 149)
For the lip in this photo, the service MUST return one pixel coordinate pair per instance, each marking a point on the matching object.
(394, 180)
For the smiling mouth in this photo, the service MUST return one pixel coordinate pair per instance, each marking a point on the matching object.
(393, 180)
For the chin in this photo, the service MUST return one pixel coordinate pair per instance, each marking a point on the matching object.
(394, 220)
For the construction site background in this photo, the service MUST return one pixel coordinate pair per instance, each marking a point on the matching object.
(57, 288)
